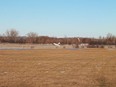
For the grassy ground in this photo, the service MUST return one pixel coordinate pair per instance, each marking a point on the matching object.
(58, 68)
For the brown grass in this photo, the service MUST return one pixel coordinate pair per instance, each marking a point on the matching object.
(58, 68)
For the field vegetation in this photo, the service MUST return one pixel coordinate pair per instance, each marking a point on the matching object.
(58, 68)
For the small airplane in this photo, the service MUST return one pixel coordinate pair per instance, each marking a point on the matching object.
(56, 44)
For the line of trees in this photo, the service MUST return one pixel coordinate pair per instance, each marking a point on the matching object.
(12, 36)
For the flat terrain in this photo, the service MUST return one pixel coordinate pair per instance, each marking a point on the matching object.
(58, 68)
(5, 46)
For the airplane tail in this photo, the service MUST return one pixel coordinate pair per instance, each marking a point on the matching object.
(79, 40)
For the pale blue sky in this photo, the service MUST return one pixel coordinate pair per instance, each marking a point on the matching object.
(71, 18)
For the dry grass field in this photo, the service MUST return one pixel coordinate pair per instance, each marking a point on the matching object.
(58, 68)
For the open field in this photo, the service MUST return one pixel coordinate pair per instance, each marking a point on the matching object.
(58, 68)
(31, 46)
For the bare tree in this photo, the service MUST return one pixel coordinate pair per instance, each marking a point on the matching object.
(32, 37)
(12, 35)
(110, 39)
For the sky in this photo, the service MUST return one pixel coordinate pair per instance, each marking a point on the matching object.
(59, 18)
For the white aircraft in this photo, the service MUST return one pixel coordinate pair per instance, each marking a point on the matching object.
(56, 44)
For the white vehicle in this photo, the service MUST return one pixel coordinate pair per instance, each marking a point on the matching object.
(56, 44)
(83, 45)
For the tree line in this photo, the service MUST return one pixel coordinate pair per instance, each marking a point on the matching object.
(12, 36)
